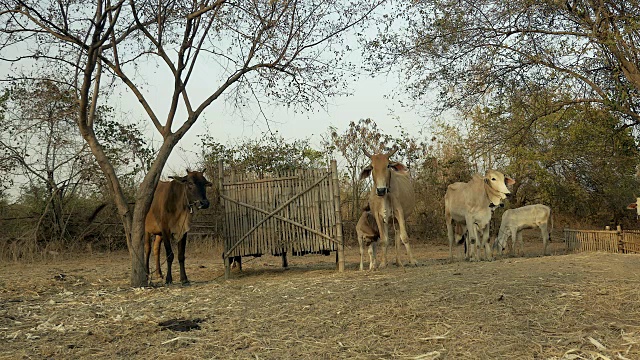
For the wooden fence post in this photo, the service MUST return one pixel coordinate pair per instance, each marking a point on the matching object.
(227, 264)
(336, 201)
(620, 239)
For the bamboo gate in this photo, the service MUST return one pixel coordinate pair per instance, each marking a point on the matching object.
(616, 241)
(295, 212)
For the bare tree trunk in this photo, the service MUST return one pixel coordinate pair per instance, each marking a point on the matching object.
(144, 197)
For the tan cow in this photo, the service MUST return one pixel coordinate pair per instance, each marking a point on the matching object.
(526, 217)
(368, 234)
(392, 197)
(170, 216)
(472, 203)
(635, 206)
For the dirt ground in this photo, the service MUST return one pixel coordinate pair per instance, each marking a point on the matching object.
(576, 306)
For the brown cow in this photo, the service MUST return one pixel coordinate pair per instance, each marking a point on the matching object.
(392, 197)
(368, 235)
(170, 215)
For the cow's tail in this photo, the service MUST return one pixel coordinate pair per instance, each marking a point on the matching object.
(96, 212)
(550, 223)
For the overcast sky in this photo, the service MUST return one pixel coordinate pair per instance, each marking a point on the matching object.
(374, 98)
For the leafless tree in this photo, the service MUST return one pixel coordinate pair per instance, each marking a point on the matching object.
(287, 52)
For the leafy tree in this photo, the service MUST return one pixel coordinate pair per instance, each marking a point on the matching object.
(41, 143)
(577, 161)
(39, 138)
(270, 154)
(258, 50)
(470, 50)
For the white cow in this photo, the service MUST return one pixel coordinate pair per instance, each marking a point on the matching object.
(635, 206)
(526, 217)
(472, 203)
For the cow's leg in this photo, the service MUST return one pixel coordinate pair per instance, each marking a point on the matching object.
(404, 237)
(467, 247)
(372, 255)
(182, 244)
(361, 243)
(514, 241)
(473, 237)
(285, 264)
(450, 235)
(384, 239)
(488, 254)
(157, 241)
(519, 237)
(166, 239)
(545, 238)
(397, 242)
(147, 252)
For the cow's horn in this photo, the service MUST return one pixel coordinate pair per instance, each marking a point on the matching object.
(393, 151)
(366, 152)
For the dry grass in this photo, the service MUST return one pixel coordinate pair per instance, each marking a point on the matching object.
(579, 306)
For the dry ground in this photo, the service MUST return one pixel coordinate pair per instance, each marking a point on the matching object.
(577, 306)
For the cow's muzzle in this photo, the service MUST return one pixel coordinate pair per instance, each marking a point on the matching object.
(382, 191)
(203, 204)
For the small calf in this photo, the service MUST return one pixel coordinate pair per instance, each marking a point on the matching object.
(526, 217)
(368, 235)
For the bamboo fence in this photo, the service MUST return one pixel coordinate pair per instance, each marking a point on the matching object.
(616, 241)
(295, 212)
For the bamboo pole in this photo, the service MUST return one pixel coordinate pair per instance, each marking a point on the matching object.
(338, 217)
(227, 265)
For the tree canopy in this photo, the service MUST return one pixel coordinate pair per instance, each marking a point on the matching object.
(471, 50)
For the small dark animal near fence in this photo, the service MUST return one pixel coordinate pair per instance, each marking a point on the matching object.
(616, 241)
(295, 212)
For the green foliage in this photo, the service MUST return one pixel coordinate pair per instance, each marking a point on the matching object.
(578, 161)
(124, 144)
(468, 50)
(271, 154)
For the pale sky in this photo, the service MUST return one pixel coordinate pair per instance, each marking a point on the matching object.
(372, 98)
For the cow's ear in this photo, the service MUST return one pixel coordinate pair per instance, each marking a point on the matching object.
(397, 166)
(208, 184)
(509, 181)
(632, 206)
(366, 172)
(182, 179)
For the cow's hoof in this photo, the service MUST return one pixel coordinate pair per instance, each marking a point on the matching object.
(186, 283)
(168, 281)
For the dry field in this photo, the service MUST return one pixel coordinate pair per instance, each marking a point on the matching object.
(577, 306)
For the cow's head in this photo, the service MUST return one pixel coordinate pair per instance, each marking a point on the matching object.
(500, 243)
(196, 188)
(380, 169)
(496, 185)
